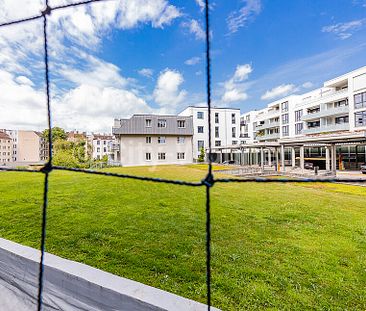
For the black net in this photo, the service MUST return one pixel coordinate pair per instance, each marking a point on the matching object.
(208, 182)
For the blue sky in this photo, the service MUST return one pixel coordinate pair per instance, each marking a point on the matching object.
(117, 58)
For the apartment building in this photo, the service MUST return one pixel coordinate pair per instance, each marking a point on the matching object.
(225, 127)
(337, 109)
(100, 145)
(31, 147)
(338, 106)
(153, 140)
(6, 148)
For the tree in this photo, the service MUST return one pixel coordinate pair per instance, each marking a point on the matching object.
(201, 157)
(58, 133)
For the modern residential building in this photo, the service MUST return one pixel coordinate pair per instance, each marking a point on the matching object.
(315, 120)
(6, 148)
(148, 139)
(225, 127)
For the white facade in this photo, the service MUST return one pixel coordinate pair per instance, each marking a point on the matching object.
(138, 150)
(101, 145)
(153, 140)
(225, 129)
(338, 106)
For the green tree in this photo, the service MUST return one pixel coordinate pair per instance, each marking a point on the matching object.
(58, 133)
(201, 157)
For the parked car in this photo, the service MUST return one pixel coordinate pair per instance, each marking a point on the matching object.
(309, 165)
(363, 169)
(228, 162)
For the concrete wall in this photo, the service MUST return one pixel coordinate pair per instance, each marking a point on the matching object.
(28, 147)
(72, 286)
(134, 148)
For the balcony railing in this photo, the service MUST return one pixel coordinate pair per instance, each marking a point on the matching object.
(268, 136)
(327, 128)
(326, 113)
(326, 95)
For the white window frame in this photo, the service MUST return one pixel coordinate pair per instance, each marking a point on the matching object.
(181, 122)
(148, 156)
(161, 140)
(161, 123)
(180, 140)
(180, 156)
(148, 139)
(148, 122)
(161, 156)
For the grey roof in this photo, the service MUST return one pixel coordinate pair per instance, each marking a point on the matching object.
(136, 125)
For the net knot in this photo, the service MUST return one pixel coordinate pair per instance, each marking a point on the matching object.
(209, 180)
(47, 11)
(47, 168)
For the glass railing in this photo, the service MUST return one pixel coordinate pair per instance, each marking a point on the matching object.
(326, 113)
(327, 128)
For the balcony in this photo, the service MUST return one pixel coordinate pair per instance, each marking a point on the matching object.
(326, 113)
(330, 96)
(268, 136)
(113, 147)
(327, 128)
(267, 125)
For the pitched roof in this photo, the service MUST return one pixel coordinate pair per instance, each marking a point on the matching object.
(4, 136)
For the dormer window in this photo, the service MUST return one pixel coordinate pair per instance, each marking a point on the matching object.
(148, 122)
(181, 123)
(161, 123)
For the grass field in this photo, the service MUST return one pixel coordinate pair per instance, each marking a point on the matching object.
(275, 246)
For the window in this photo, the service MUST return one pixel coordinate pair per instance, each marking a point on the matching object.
(298, 128)
(200, 129)
(201, 144)
(285, 130)
(199, 114)
(98, 149)
(217, 133)
(180, 140)
(161, 123)
(217, 143)
(98, 142)
(104, 142)
(284, 107)
(161, 156)
(148, 156)
(233, 118)
(233, 132)
(148, 122)
(234, 142)
(180, 155)
(161, 140)
(360, 100)
(216, 117)
(148, 139)
(181, 123)
(341, 103)
(342, 120)
(360, 118)
(105, 149)
(298, 115)
(285, 118)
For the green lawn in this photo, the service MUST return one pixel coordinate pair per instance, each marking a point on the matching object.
(275, 246)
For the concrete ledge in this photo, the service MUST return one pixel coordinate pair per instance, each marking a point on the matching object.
(73, 286)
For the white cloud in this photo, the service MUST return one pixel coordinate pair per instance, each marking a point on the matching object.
(146, 72)
(234, 95)
(307, 85)
(24, 80)
(193, 61)
(239, 19)
(167, 92)
(345, 30)
(201, 4)
(195, 28)
(279, 91)
(234, 87)
(157, 12)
